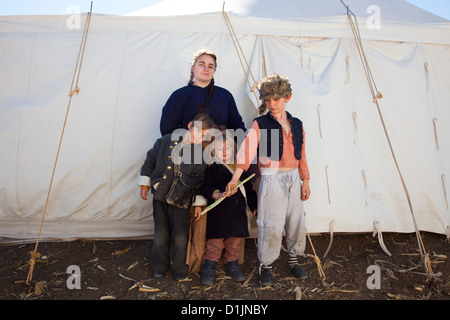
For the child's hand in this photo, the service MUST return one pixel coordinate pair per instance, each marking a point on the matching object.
(305, 190)
(255, 212)
(217, 195)
(197, 214)
(144, 193)
(234, 181)
(230, 186)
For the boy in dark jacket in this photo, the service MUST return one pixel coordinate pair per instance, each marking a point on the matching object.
(171, 221)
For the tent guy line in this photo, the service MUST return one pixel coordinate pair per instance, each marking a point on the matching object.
(34, 254)
(376, 95)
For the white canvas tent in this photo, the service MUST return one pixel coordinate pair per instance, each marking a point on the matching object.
(133, 63)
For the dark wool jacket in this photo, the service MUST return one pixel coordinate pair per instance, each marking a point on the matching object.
(159, 166)
(182, 107)
(229, 218)
(268, 122)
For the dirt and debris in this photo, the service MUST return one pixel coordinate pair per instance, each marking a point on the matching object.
(120, 270)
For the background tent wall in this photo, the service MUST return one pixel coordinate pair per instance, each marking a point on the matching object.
(131, 66)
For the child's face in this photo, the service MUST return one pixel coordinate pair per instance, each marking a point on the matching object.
(276, 105)
(196, 134)
(224, 152)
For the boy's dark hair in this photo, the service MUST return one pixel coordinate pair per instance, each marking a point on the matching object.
(207, 121)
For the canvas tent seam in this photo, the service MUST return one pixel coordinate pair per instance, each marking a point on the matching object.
(114, 121)
(19, 129)
(376, 225)
(435, 129)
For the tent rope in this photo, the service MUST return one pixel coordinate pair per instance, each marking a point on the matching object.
(316, 258)
(34, 254)
(376, 95)
(240, 52)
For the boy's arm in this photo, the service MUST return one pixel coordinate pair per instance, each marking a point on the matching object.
(249, 148)
(303, 169)
(304, 173)
(147, 169)
(247, 152)
(199, 199)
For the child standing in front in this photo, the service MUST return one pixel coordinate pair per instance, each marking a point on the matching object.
(284, 181)
(226, 223)
(171, 221)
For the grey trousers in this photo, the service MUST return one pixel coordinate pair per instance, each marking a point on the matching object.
(280, 208)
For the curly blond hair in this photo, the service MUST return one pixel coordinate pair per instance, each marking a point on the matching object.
(275, 86)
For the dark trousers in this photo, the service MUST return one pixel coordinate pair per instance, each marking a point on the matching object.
(170, 238)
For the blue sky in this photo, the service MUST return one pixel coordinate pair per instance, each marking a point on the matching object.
(120, 7)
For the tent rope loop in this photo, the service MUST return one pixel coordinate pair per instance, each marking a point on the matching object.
(34, 254)
(76, 90)
(332, 223)
(255, 85)
(377, 231)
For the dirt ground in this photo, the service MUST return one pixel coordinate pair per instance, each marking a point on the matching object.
(120, 270)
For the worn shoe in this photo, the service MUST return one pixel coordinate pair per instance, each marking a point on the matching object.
(158, 274)
(179, 276)
(298, 272)
(208, 272)
(234, 270)
(265, 276)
